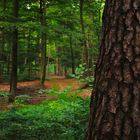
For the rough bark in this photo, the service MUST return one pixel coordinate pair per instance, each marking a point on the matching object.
(13, 81)
(115, 101)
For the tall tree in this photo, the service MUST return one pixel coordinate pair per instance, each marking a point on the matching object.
(83, 39)
(13, 82)
(43, 41)
(115, 102)
(72, 56)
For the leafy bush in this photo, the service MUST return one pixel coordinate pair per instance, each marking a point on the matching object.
(79, 71)
(54, 120)
(22, 99)
(4, 100)
(55, 87)
(80, 74)
(4, 97)
(56, 90)
(42, 91)
(4, 93)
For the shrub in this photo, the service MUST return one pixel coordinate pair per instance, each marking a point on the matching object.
(22, 99)
(4, 97)
(42, 91)
(4, 93)
(54, 120)
(80, 75)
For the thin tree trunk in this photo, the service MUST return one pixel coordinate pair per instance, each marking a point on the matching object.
(8, 64)
(59, 70)
(43, 42)
(9, 55)
(115, 102)
(65, 71)
(83, 40)
(2, 53)
(13, 82)
(2, 39)
(4, 5)
(29, 54)
(99, 33)
(37, 58)
(72, 56)
(48, 64)
(55, 69)
(90, 56)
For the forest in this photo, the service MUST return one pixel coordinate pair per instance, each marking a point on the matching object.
(69, 70)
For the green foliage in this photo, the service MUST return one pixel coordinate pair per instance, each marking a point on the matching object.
(42, 91)
(22, 99)
(55, 87)
(62, 94)
(79, 71)
(4, 100)
(4, 93)
(80, 74)
(4, 97)
(55, 120)
(63, 31)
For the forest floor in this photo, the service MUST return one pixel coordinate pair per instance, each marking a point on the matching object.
(31, 88)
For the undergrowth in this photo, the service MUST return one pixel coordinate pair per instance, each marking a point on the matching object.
(63, 119)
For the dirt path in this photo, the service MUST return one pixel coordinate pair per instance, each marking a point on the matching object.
(56, 83)
(31, 87)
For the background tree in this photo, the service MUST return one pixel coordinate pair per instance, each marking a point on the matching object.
(43, 42)
(62, 34)
(13, 80)
(115, 110)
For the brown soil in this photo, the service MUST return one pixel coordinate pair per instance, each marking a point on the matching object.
(31, 87)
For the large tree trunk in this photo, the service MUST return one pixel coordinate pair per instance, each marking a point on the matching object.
(13, 82)
(115, 102)
(43, 42)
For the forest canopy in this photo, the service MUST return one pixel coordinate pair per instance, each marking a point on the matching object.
(66, 25)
